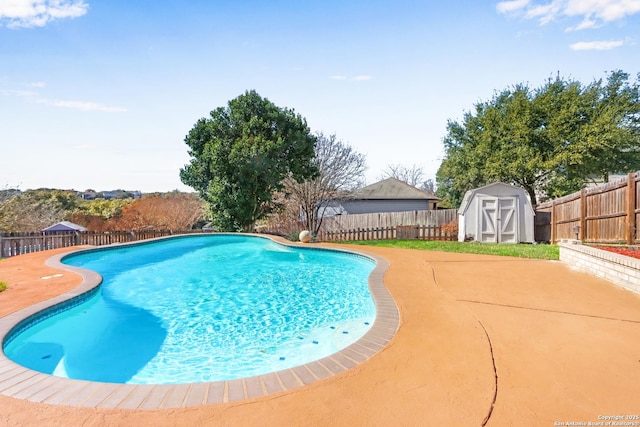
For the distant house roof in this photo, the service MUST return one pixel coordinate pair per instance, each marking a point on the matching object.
(65, 226)
(391, 188)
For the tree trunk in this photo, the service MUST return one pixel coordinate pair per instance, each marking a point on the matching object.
(532, 195)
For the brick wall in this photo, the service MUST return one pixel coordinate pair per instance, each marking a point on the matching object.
(621, 270)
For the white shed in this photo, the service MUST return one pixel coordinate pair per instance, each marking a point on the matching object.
(496, 213)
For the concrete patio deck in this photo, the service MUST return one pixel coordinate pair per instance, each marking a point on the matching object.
(482, 341)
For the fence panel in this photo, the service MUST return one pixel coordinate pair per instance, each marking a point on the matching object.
(635, 193)
(94, 238)
(389, 219)
(17, 245)
(607, 213)
(421, 232)
(12, 244)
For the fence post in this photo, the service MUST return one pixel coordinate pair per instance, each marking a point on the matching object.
(553, 222)
(631, 209)
(583, 214)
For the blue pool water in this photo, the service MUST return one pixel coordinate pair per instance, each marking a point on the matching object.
(202, 308)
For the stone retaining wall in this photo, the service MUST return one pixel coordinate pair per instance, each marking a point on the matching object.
(622, 270)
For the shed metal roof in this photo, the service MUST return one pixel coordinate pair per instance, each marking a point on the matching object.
(65, 226)
(469, 195)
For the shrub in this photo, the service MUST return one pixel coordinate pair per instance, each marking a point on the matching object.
(451, 229)
(293, 235)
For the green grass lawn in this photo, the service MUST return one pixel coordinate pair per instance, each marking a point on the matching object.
(519, 250)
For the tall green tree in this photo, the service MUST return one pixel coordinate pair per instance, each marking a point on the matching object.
(551, 140)
(240, 156)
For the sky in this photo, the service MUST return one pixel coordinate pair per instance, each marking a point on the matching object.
(101, 94)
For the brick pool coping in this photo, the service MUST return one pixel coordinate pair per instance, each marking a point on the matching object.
(19, 382)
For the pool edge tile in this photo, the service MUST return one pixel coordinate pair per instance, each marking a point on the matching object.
(67, 391)
(50, 388)
(120, 394)
(304, 374)
(235, 390)
(253, 387)
(196, 395)
(288, 379)
(215, 393)
(271, 383)
(176, 396)
(155, 397)
(136, 398)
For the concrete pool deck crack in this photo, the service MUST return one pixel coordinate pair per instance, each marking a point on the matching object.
(568, 313)
(488, 338)
(495, 372)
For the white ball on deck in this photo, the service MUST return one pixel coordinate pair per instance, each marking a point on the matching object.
(305, 236)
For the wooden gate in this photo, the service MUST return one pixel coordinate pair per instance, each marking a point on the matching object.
(407, 232)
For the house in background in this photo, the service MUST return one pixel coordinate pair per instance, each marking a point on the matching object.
(389, 195)
(63, 227)
(112, 194)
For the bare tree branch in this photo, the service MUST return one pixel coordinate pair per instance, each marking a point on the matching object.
(341, 170)
(412, 175)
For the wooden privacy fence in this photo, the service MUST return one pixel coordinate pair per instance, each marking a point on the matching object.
(421, 232)
(12, 244)
(607, 213)
(389, 219)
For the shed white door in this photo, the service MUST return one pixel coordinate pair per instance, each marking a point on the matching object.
(498, 219)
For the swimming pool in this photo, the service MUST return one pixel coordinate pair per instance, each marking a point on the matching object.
(218, 307)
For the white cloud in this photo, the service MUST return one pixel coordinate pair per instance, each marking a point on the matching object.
(358, 78)
(82, 105)
(605, 10)
(511, 6)
(545, 13)
(592, 12)
(20, 93)
(585, 24)
(597, 45)
(37, 13)
(33, 96)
